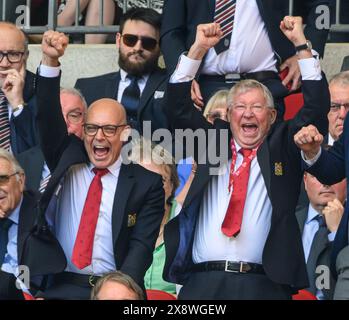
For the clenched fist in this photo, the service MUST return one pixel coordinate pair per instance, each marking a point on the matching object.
(309, 140)
(53, 47)
(333, 213)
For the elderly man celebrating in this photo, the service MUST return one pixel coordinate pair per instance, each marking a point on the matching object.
(108, 214)
(237, 236)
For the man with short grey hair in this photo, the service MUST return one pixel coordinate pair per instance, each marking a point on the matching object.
(17, 217)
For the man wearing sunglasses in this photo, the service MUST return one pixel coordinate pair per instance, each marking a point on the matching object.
(17, 99)
(139, 84)
(108, 213)
(74, 108)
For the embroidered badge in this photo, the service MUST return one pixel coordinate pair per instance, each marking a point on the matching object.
(278, 169)
(131, 220)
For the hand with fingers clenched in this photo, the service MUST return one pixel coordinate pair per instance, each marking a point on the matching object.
(309, 140)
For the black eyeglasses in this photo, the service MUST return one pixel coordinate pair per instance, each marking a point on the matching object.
(217, 115)
(6, 178)
(335, 107)
(12, 56)
(109, 130)
(75, 117)
(148, 43)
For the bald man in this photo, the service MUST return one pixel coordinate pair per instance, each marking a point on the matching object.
(17, 99)
(107, 214)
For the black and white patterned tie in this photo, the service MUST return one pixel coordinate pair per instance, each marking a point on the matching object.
(224, 15)
(5, 134)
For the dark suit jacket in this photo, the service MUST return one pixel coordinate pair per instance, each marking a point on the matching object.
(321, 251)
(139, 192)
(23, 128)
(27, 219)
(150, 106)
(181, 17)
(32, 161)
(283, 257)
(332, 167)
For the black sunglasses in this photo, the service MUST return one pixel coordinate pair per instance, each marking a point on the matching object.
(148, 43)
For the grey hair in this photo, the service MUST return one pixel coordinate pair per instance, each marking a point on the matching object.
(220, 97)
(341, 78)
(118, 277)
(247, 85)
(4, 154)
(75, 92)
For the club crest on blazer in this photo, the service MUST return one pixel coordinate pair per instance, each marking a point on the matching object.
(278, 169)
(131, 221)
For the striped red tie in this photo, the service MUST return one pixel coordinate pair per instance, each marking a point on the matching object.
(224, 15)
(5, 141)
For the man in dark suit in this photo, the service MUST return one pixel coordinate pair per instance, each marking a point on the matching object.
(140, 83)
(318, 222)
(17, 217)
(237, 236)
(255, 49)
(74, 108)
(106, 214)
(17, 99)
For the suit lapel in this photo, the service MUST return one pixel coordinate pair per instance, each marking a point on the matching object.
(112, 86)
(27, 216)
(263, 158)
(122, 193)
(301, 216)
(152, 84)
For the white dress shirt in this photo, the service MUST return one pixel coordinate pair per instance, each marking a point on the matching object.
(209, 242)
(71, 202)
(250, 48)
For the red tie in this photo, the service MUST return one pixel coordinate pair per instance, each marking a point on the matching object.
(82, 252)
(233, 218)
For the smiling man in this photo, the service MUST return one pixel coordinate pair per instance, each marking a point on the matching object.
(237, 236)
(108, 214)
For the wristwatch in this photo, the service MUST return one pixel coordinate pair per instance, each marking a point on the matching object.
(306, 46)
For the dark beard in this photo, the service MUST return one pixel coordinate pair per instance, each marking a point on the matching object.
(138, 69)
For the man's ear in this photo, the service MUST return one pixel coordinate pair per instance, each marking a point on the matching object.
(273, 113)
(118, 39)
(125, 134)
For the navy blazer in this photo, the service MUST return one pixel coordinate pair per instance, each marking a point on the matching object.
(181, 17)
(283, 257)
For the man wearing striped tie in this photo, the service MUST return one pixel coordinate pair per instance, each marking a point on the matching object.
(17, 103)
(74, 107)
(251, 46)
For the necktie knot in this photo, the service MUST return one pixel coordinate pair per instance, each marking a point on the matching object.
(321, 220)
(6, 224)
(100, 172)
(245, 152)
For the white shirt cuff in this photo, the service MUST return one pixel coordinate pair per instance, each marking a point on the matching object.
(17, 112)
(186, 69)
(310, 68)
(310, 162)
(49, 72)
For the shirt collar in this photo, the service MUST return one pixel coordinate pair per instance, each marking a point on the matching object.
(14, 216)
(113, 169)
(330, 140)
(123, 75)
(312, 214)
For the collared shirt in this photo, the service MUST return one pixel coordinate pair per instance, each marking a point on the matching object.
(209, 242)
(187, 68)
(10, 263)
(311, 226)
(331, 140)
(124, 82)
(250, 49)
(71, 202)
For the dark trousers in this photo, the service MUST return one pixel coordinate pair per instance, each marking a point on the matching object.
(209, 88)
(221, 285)
(8, 289)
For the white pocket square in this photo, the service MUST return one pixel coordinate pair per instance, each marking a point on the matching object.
(159, 94)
